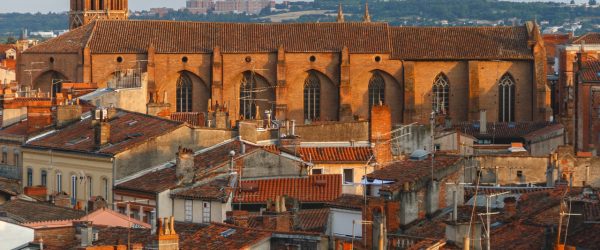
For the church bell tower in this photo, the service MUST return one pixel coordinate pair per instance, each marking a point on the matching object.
(85, 11)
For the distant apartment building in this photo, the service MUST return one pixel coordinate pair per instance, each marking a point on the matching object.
(199, 6)
(226, 6)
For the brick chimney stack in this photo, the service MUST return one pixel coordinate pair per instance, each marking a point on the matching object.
(101, 134)
(510, 207)
(66, 114)
(380, 133)
(184, 169)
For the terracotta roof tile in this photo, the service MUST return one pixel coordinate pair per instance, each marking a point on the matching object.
(220, 155)
(116, 235)
(29, 211)
(221, 236)
(70, 42)
(203, 37)
(10, 186)
(153, 182)
(196, 119)
(350, 201)
(411, 171)
(127, 129)
(406, 43)
(216, 190)
(450, 43)
(335, 154)
(315, 188)
(308, 220)
(589, 38)
(590, 71)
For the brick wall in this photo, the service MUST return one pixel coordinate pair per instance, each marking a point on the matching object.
(56, 237)
(408, 84)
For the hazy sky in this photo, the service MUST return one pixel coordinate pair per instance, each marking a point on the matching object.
(63, 5)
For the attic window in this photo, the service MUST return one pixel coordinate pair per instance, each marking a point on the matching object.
(77, 140)
(132, 122)
(227, 232)
(519, 173)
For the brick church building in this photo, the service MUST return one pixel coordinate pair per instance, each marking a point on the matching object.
(309, 72)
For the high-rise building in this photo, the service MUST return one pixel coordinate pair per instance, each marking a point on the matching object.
(85, 11)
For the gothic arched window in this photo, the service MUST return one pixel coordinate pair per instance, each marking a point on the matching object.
(376, 90)
(184, 93)
(506, 93)
(440, 93)
(248, 96)
(312, 97)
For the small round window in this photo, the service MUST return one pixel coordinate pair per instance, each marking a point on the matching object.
(184, 59)
(378, 58)
(248, 59)
(312, 58)
(119, 59)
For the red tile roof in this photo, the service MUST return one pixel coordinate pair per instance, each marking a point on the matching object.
(308, 220)
(410, 171)
(589, 38)
(215, 190)
(153, 182)
(203, 37)
(196, 119)
(407, 43)
(23, 129)
(28, 211)
(220, 155)
(120, 235)
(451, 43)
(335, 154)
(127, 129)
(350, 201)
(71, 42)
(590, 71)
(517, 235)
(222, 236)
(315, 188)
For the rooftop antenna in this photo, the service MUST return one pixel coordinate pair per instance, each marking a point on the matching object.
(487, 214)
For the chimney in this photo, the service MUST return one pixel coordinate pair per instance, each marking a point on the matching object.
(66, 114)
(239, 217)
(167, 238)
(293, 127)
(184, 169)
(483, 121)
(510, 207)
(101, 134)
(380, 133)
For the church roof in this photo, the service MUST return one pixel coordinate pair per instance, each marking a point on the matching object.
(408, 43)
(450, 43)
(71, 42)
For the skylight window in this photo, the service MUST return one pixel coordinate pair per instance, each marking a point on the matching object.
(228, 232)
(132, 122)
(77, 140)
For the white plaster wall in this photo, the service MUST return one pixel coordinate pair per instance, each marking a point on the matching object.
(12, 236)
(342, 222)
